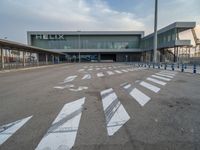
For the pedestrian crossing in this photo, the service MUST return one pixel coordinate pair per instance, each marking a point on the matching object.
(63, 131)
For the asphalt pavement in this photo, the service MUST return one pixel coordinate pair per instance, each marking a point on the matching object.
(99, 106)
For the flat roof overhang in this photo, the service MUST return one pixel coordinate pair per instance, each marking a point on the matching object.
(98, 50)
(6, 44)
(88, 32)
(177, 25)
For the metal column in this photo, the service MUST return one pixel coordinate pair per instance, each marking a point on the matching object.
(155, 32)
(2, 58)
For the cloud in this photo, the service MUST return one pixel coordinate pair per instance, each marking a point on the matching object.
(65, 15)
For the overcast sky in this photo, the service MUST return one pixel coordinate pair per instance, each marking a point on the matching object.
(19, 16)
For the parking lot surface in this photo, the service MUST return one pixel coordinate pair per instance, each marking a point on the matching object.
(103, 106)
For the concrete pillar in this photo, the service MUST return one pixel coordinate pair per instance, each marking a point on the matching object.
(46, 58)
(99, 57)
(24, 62)
(52, 59)
(2, 58)
(38, 61)
(58, 59)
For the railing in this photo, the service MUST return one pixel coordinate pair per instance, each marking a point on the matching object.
(189, 68)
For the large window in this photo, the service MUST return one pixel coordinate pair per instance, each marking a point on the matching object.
(89, 42)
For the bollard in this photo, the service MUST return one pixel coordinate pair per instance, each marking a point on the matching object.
(165, 66)
(172, 67)
(158, 66)
(153, 66)
(182, 69)
(185, 66)
(178, 66)
(194, 69)
(149, 65)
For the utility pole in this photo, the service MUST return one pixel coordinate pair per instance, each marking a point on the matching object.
(155, 32)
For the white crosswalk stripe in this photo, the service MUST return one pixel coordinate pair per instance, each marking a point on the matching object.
(110, 72)
(86, 77)
(156, 81)
(164, 75)
(63, 131)
(115, 113)
(150, 86)
(139, 96)
(124, 70)
(117, 71)
(100, 74)
(162, 78)
(6, 131)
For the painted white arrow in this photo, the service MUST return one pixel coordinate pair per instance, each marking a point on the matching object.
(63, 131)
(6, 131)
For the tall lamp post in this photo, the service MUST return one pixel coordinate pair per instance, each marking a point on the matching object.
(155, 32)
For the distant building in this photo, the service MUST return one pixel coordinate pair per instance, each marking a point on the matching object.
(116, 46)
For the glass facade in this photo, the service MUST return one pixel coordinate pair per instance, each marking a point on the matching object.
(163, 39)
(88, 42)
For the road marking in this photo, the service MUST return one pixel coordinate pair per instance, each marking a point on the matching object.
(6, 131)
(81, 70)
(80, 88)
(164, 75)
(100, 74)
(69, 79)
(110, 72)
(63, 131)
(117, 71)
(139, 96)
(169, 73)
(156, 81)
(115, 113)
(90, 69)
(150, 86)
(124, 70)
(127, 86)
(63, 87)
(130, 69)
(104, 68)
(162, 78)
(86, 77)
(97, 68)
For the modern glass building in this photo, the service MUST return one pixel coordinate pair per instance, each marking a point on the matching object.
(109, 45)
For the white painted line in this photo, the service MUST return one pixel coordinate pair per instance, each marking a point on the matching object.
(164, 75)
(81, 70)
(169, 73)
(130, 69)
(117, 71)
(80, 88)
(127, 86)
(110, 72)
(104, 68)
(162, 78)
(97, 68)
(63, 87)
(150, 86)
(90, 69)
(69, 79)
(124, 70)
(6, 131)
(156, 81)
(100, 74)
(86, 77)
(139, 96)
(63, 131)
(115, 113)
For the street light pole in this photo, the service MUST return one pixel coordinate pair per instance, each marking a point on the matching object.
(155, 32)
(79, 46)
